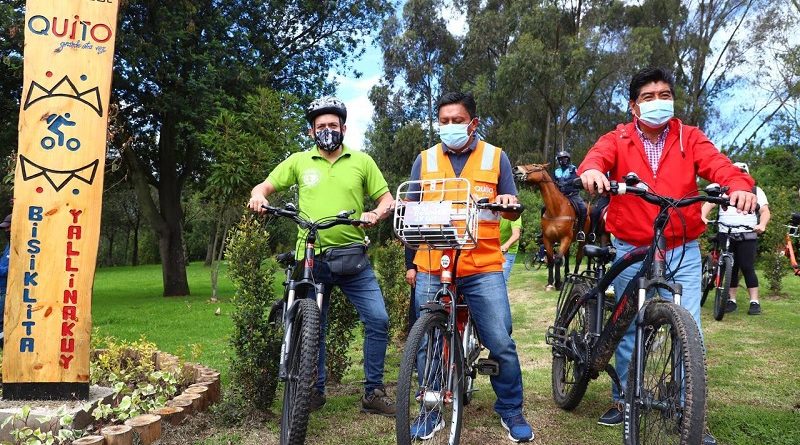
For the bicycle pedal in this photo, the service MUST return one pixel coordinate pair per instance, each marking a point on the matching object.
(487, 366)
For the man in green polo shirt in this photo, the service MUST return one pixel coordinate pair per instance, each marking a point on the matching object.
(509, 243)
(332, 178)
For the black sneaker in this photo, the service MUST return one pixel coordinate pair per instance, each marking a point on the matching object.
(708, 439)
(377, 402)
(755, 308)
(612, 417)
(317, 400)
(730, 306)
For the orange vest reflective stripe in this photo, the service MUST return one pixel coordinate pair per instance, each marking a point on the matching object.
(483, 172)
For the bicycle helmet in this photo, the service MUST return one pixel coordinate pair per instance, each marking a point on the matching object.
(742, 166)
(562, 154)
(326, 105)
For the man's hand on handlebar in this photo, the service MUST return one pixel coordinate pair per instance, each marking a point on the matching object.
(506, 200)
(744, 201)
(594, 181)
(369, 218)
(257, 204)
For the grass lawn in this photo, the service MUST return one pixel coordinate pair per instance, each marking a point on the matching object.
(753, 372)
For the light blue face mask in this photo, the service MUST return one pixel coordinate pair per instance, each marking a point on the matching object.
(454, 136)
(656, 113)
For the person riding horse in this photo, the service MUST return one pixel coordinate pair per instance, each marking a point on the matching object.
(564, 175)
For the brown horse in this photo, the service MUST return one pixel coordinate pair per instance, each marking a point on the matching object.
(558, 221)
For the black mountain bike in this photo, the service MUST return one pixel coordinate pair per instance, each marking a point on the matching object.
(537, 257)
(300, 317)
(666, 397)
(717, 269)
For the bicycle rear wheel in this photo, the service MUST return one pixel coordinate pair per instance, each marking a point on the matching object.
(430, 392)
(723, 287)
(473, 348)
(707, 278)
(530, 261)
(571, 354)
(670, 407)
(301, 372)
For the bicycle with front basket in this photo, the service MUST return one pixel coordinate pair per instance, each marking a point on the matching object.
(441, 358)
(299, 314)
(665, 400)
(718, 267)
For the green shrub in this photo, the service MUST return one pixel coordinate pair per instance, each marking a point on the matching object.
(772, 259)
(255, 342)
(342, 319)
(391, 271)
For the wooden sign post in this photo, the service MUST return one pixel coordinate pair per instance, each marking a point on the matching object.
(58, 187)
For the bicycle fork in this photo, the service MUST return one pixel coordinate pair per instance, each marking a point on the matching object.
(288, 323)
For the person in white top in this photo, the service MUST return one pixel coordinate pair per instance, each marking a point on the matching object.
(743, 244)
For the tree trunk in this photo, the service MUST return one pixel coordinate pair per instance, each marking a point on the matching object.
(135, 249)
(212, 242)
(110, 258)
(166, 218)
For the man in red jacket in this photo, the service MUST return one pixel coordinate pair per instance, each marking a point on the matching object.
(668, 156)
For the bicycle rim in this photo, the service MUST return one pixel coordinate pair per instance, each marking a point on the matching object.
(301, 372)
(671, 407)
(707, 278)
(429, 392)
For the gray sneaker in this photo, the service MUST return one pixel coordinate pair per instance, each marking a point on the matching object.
(317, 400)
(755, 308)
(377, 402)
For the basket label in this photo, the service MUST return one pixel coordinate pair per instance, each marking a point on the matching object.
(427, 212)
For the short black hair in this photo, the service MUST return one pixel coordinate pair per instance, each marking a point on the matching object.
(649, 75)
(465, 99)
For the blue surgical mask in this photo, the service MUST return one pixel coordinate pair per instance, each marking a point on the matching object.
(454, 136)
(656, 113)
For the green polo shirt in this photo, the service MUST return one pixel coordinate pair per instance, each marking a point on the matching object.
(505, 232)
(326, 188)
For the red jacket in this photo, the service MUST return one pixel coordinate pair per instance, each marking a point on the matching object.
(687, 154)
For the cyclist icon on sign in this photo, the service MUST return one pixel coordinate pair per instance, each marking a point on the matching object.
(55, 122)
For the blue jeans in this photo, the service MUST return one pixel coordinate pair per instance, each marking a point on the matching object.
(487, 299)
(688, 275)
(510, 257)
(364, 293)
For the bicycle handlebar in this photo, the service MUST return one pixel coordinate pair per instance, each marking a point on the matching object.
(291, 212)
(484, 204)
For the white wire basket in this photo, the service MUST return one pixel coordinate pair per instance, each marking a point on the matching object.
(436, 214)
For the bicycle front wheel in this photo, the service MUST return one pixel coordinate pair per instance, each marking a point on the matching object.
(571, 350)
(668, 405)
(723, 287)
(430, 385)
(707, 278)
(301, 372)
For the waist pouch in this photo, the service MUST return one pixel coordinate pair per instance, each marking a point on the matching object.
(744, 236)
(346, 260)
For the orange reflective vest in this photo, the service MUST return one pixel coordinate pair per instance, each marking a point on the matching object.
(483, 172)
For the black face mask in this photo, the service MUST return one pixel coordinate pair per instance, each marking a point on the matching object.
(328, 140)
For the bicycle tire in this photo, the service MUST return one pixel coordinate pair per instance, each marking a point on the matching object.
(723, 289)
(530, 261)
(429, 331)
(302, 370)
(473, 351)
(707, 278)
(672, 407)
(568, 375)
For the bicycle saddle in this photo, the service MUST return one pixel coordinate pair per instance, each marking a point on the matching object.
(285, 259)
(603, 253)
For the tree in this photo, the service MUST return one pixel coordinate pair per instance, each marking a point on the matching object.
(178, 64)
(418, 47)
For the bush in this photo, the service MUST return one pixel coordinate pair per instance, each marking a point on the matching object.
(391, 271)
(255, 342)
(342, 318)
(772, 258)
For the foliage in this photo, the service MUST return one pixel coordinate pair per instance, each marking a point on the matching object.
(531, 216)
(128, 368)
(27, 430)
(391, 271)
(256, 343)
(342, 320)
(772, 258)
